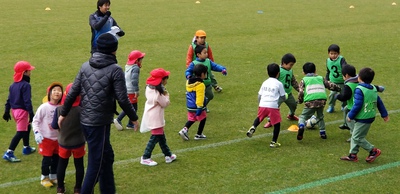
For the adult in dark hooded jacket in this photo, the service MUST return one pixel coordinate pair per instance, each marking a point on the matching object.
(100, 82)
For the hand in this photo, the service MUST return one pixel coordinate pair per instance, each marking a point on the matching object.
(31, 117)
(135, 125)
(38, 137)
(108, 13)
(381, 88)
(188, 76)
(348, 119)
(198, 111)
(386, 119)
(7, 116)
(121, 33)
(60, 120)
(224, 72)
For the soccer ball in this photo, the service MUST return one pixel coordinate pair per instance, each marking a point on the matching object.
(310, 123)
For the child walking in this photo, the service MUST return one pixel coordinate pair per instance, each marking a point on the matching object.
(270, 93)
(70, 141)
(195, 103)
(20, 103)
(132, 72)
(312, 93)
(202, 58)
(157, 99)
(46, 136)
(334, 65)
(366, 101)
(200, 39)
(289, 82)
(347, 94)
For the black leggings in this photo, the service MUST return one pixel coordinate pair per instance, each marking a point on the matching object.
(79, 171)
(201, 126)
(24, 135)
(49, 164)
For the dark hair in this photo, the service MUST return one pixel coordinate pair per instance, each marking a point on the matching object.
(49, 94)
(349, 70)
(198, 49)
(199, 69)
(287, 58)
(309, 67)
(366, 74)
(160, 88)
(102, 2)
(273, 69)
(334, 47)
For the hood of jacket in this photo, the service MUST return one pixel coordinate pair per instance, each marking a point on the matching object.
(100, 60)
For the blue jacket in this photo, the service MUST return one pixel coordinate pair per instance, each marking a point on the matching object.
(214, 67)
(358, 105)
(20, 96)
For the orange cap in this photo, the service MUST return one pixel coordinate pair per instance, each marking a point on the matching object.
(200, 33)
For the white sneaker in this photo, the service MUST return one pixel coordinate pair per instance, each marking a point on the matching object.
(199, 137)
(118, 125)
(147, 162)
(184, 134)
(169, 159)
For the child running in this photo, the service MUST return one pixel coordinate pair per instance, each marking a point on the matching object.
(157, 99)
(270, 93)
(70, 141)
(20, 103)
(195, 103)
(46, 136)
(132, 72)
(366, 101)
(312, 93)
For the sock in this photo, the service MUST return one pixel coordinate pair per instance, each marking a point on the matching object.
(10, 151)
(53, 176)
(43, 177)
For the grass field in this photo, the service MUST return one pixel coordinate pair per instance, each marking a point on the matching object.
(244, 40)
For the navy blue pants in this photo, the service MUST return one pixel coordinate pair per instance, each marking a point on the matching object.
(100, 160)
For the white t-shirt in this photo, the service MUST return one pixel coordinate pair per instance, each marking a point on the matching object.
(271, 90)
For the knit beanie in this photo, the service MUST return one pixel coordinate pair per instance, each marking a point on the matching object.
(107, 43)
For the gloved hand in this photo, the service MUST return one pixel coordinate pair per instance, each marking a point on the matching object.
(7, 116)
(108, 13)
(38, 137)
(121, 33)
(198, 111)
(31, 117)
(224, 72)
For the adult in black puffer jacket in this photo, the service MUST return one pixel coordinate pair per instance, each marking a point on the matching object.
(100, 82)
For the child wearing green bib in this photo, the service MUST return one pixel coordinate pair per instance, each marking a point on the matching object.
(350, 83)
(366, 101)
(312, 93)
(288, 80)
(334, 65)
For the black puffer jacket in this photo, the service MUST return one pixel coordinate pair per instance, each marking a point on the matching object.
(100, 82)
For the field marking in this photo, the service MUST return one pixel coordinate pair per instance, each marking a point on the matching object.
(159, 155)
(337, 178)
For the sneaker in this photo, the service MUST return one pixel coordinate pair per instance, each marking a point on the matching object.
(274, 144)
(344, 126)
(350, 157)
(373, 155)
(77, 190)
(292, 117)
(147, 162)
(118, 125)
(169, 159)
(46, 182)
(300, 132)
(28, 150)
(54, 181)
(217, 88)
(330, 109)
(323, 134)
(130, 126)
(199, 137)
(60, 190)
(184, 134)
(9, 156)
(250, 132)
(267, 125)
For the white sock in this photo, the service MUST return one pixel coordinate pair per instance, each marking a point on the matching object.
(53, 176)
(43, 177)
(8, 151)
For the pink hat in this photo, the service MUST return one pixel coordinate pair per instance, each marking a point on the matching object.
(134, 56)
(156, 76)
(19, 68)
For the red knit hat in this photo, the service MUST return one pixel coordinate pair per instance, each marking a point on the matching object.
(19, 68)
(156, 76)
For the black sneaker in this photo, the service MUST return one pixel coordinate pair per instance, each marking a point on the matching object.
(300, 132)
(250, 132)
(323, 134)
(344, 126)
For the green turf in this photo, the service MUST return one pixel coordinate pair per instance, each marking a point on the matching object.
(57, 42)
